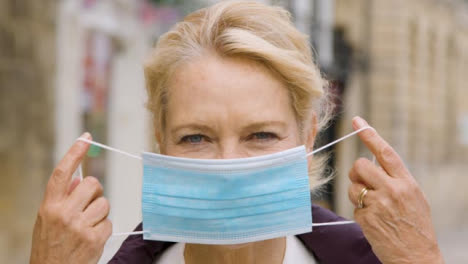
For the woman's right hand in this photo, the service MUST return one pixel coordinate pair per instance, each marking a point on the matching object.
(72, 224)
(395, 215)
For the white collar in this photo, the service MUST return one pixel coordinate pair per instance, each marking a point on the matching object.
(296, 253)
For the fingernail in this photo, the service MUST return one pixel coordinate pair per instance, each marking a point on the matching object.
(358, 122)
(86, 135)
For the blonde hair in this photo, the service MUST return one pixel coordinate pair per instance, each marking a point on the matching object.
(251, 30)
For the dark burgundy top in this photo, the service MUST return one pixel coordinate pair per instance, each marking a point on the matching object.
(329, 244)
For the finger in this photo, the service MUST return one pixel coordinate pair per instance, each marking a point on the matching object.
(385, 154)
(88, 190)
(96, 211)
(103, 229)
(364, 171)
(73, 185)
(59, 182)
(354, 191)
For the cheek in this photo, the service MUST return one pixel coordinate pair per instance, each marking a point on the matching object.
(297, 135)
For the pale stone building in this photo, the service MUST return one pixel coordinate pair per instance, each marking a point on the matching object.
(27, 66)
(407, 78)
(43, 60)
(408, 62)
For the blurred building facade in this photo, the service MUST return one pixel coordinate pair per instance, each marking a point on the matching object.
(74, 65)
(27, 76)
(407, 77)
(100, 88)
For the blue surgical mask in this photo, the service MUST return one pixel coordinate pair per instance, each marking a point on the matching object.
(226, 201)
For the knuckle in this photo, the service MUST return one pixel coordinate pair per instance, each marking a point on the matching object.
(400, 190)
(361, 164)
(47, 212)
(394, 191)
(76, 228)
(58, 172)
(44, 211)
(54, 214)
(394, 196)
(387, 154)
(372, 132)
(58, 175)
(103, 204)
(407, 188)
(91, 238)
(64, 219)
(372, 135)
(93, 183)
(382, 202)
(404, 189)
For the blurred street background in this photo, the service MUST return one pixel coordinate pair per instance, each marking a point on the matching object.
(76, 65)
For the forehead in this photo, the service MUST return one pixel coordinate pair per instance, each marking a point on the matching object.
(217, 90)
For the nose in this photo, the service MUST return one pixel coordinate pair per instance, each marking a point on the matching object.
(230, 151)
(229, 155)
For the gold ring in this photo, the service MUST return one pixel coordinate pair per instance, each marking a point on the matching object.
(361, 197)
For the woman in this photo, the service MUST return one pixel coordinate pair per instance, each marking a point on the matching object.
(238, 80)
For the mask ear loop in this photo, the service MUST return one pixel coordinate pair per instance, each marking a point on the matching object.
(339, 140)
(129, 233)
(325, 147)
(118, 151)
(333, 223)
(109, 148)
(308, 154)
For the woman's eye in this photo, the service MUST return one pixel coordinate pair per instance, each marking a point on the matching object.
(193, 139)
(263, 136)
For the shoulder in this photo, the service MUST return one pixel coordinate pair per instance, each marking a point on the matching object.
(323, 242)
(136, 250)
(326, 241)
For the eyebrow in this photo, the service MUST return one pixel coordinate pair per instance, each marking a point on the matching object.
(260, 125)
(250, 127)
(193, 126)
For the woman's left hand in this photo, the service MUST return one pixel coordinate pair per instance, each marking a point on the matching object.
(396, 217)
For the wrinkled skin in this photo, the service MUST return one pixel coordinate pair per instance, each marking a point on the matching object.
(396, 218)
(72, 224)
(221, 108)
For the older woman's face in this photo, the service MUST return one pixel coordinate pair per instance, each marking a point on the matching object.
(222, 108)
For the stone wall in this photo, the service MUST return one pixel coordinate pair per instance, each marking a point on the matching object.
(410, 61)
(410, 58)
(27, 57)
